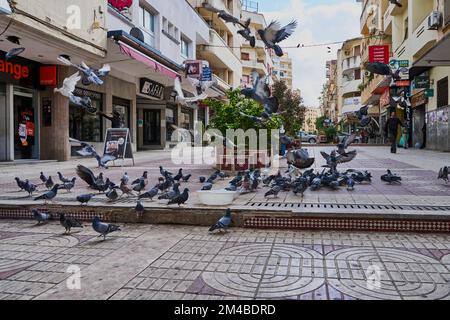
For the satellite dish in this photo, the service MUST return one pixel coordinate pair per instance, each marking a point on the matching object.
(138, 34)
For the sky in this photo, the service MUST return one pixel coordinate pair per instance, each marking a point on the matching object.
(319, 21)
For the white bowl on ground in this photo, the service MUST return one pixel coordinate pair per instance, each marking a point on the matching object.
(216, 197)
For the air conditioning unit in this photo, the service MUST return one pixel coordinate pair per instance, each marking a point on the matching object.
(434, 20)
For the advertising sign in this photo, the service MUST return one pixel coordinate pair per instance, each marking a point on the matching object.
(379, 54)
(151, 88)
(401, 67)
(118, 144)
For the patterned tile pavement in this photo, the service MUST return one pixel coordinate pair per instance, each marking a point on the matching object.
(168, 262)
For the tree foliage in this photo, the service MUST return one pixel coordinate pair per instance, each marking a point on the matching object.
(291, 106)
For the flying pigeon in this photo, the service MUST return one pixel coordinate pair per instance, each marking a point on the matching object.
(224, 15)
(49, 195)
(84, 103)
(273, 192)
(104, 228)
(201, 86)
(68, 223)
(181, 199)
(391, 178)
(180, 95)
(247, 35)
(14, 53)
(274, 34)
(260, 92)
(69, 85)
(41, 217)
(85, 198)
(223, 224)
(90, 76)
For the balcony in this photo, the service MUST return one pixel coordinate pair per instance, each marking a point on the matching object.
(219, 55)
(255, 64)
(221, 84)
(351, 63)
(350, 87)
(422, 40)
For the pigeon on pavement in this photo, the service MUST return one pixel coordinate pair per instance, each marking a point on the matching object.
(391, 177)
(273, 192)
(68, 223)
(41, 217)
(104, 228)
(85, 198)
(49, 195)
(181, 199)
(223, 223)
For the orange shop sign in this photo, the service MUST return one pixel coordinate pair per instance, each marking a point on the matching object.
(17, 71)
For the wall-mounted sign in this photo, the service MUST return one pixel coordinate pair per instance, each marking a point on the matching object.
(419, 99)
(198, 69)
(151, 88)
(206, 74)
(379, 54)
(47, 76)
(403, 83)
(19, 71)
(401, 67)
(422, 82)
(430, 93)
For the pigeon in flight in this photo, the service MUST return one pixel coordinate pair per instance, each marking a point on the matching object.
(180, 95)
(104, 228)
(84, 103)
(247, 35)
(90, 75)
(41, 217)
(69, 85)
(261, 94)
(274, 34)
(225, 16)
(391, 178)
(68, 223)
(49, 195)
(201, 86)
(223, 224)
(14, 53)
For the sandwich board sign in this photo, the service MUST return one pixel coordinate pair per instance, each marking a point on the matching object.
(118, 144)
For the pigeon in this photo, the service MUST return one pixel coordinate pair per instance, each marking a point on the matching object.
(49, 195)
(21, 184)
(391, 178)
(247, 35)
(181, 199)
(222, 14)
(301, 187)
(350, 184)
(260, 92)
(180, 95)
(232, 187)
(62, 178)
(85, 198)
(175, 192)
(207, 186)
(150, 194)
(273, 192)
(113, 195)
(103, 161)
(85, 103)
(139, 187)
(139, 209)
(69, 85)
(164, 173)
(443, 174)
(333, 159)
(165, 185)
(126, 189)
(143, 178)
(202, 179)
(30, 188)
(49, 183)
(41, 217)
(300, 158)
(87, 150)
(398, 4)
(43, 178)
(14, 53)
(186, 178)
(69, 185)
(179, 176)
(68, 223)
(274, 34)
(316, 184)
(88, 176)
(201, 86)
(125, 178)
(104, 228)
(90, 75)
(223, 224)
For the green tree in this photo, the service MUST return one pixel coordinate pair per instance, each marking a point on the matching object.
(291, 106)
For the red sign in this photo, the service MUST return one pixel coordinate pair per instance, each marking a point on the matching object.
(379, 54)
(403, 83)
(48, 76)
(121, 4)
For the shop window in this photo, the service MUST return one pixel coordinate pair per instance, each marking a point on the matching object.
(83, 125)
(124, 107)
(442, 93)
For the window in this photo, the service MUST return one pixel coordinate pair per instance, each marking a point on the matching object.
(245, 56)
(184, 48)
(442, 93)
(147, 19)
(83, 125)
(358, 74)
(357, 51)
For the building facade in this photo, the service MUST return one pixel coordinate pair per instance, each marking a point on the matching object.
(311, 115)
(328, 103)
(283, 69)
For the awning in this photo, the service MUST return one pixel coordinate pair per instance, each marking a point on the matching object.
(138, 56)
(437, 56)
(352, 108)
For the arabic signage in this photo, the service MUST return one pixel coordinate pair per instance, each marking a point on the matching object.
(151, 88)
(379, 54)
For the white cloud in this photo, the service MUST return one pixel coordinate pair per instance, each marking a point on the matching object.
(318, 23)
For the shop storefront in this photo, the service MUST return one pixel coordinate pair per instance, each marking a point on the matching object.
(19, 109)
(418, 103)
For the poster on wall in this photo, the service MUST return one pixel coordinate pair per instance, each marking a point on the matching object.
(198, 69)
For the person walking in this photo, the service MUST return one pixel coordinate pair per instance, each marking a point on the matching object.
(391, 130)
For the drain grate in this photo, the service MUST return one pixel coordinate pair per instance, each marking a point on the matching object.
(328, 206)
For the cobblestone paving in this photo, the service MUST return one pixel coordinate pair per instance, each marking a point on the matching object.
(167, 262)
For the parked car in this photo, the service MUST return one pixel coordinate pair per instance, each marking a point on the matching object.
(341, 136)
(308, 137)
